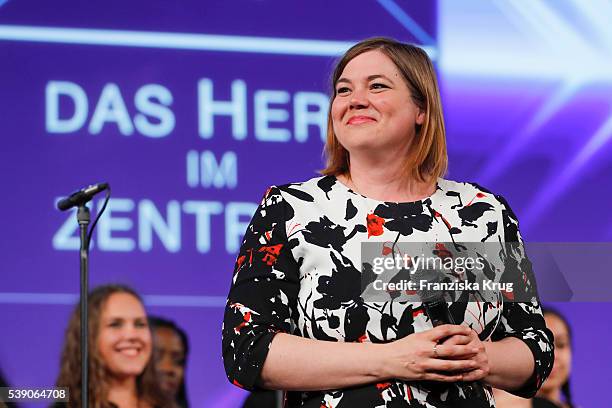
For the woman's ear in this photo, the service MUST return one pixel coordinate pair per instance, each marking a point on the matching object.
(420, 117)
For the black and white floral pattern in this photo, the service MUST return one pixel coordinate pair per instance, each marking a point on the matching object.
(298, 272)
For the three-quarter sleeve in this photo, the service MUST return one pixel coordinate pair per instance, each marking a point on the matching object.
(524, 319)
(264, 289)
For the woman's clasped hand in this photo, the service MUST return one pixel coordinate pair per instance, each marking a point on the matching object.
(447, 353)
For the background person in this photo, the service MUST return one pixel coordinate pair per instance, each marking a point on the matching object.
(557, 387)
(121, 370)
(170, 348)
(555, 391)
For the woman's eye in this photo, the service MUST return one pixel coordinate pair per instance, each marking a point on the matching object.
(115, 323)
(140, 324)
(342, 90)
(378, 86)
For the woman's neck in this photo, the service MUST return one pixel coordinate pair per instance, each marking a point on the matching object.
(124, 393)
(386, 182)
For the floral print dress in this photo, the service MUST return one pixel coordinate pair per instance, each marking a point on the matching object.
(299, 272)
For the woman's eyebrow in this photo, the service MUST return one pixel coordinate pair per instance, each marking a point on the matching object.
(123, 318)
(369, 78)
(376, 76)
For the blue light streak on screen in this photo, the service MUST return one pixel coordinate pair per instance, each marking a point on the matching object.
(558, 52)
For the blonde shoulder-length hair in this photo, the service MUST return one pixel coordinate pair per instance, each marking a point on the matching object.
(428, 158)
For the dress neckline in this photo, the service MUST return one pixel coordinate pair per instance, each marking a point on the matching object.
(348, 190)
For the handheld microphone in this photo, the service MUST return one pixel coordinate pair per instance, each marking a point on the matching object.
(437, 310)
(81, 197)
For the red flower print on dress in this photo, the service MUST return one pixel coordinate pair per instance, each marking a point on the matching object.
(375, 225)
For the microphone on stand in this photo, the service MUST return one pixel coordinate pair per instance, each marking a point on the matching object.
(437, 310)
(81, 197)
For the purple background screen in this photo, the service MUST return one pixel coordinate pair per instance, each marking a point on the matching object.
(190, 110)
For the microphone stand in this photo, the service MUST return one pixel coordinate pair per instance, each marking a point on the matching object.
(83, 218)
(78, 199)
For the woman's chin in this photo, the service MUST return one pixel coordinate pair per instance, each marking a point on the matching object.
(131, 370)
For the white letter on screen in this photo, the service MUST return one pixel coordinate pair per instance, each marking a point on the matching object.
(53, 91)
(168, 232)
(264, 114)
(193, 168)
(303, 117)
(65, 237)
(109, 223)
(219, 175)
(111, 108)
(146, 105)
(236, 108)
(203, 210)
(234, 228)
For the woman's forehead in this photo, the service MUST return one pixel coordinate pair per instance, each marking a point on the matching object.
(123, 305)
(368, 64)
(556, 324)
(170, 337)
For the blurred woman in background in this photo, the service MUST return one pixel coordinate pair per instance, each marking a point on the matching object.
(121, 370)
(558, 383)
(171, 348)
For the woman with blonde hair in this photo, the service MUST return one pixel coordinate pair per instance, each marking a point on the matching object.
(121, 371)
(296, 318)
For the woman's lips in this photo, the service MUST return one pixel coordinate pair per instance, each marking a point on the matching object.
(356, 120)
(129, 351)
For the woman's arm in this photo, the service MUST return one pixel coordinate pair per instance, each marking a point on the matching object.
(521, 353)
(296, 363)
(510, 363)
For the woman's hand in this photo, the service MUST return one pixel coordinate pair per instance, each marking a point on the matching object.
(426, 356)
(480, 358)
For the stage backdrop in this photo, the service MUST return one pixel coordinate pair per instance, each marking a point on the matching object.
(191, 110)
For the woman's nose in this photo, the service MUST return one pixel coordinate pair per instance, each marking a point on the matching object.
(166, 366)
(132, 332)
(129, 333)
(359, 99)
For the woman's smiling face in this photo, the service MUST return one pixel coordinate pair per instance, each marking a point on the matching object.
(373, 110)
(124, 339)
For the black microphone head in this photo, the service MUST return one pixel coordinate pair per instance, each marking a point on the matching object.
(82, 196)
(64, 204)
